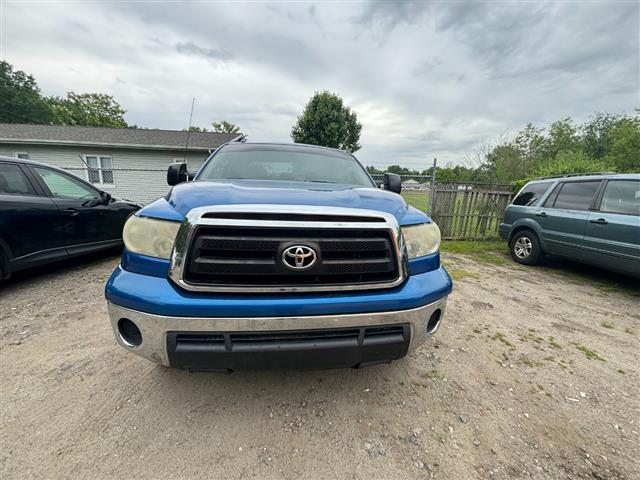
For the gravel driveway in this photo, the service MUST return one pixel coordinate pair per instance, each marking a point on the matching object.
(533, 374)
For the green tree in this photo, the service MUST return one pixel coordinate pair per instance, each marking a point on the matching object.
(531, 144)
(194, 128)
(624, 153)
(570, 161)
(20, 98)
(596, 134)
(89, 109)
(225, 127)
(562, 137)
(505, 163)
(452, 173)
(328, 122)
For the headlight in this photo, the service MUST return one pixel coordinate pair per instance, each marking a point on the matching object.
(422, 239)
(148, 236)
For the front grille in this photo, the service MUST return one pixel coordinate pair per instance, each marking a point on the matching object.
(290, 340)
(237, 256)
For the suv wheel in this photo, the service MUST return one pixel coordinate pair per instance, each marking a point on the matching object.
(525, 248)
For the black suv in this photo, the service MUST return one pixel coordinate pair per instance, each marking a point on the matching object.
(46, 214)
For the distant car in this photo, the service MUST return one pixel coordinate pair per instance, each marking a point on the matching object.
(593, 219)
(46, 214)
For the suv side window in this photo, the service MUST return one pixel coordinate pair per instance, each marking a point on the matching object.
(621, 196)
(531, 193)
(576, 195)
(64, 186)
(13, 181)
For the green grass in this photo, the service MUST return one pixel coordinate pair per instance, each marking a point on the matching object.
(529, 363)
(459, 273)
(501, 337)
(590, 354)
(419, 200)
(471, 247)
(553, 343)
(486, 251)
(499, 260)
(607, 324)
(580, 274)
(432, 375)
(496, 252)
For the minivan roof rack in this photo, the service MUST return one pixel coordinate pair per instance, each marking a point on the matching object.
(585, 174)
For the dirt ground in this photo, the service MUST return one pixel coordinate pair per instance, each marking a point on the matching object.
(533, 374)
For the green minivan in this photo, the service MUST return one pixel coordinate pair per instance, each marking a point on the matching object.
(593, 219)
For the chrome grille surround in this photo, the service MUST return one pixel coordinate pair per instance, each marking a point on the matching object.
(202, 216)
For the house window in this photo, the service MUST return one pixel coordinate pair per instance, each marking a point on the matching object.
(100, 169)
(21, 155)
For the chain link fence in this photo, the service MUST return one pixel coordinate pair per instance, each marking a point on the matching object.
(462, 210)
(140, 185)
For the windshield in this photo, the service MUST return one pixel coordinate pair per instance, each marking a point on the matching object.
(297, 164)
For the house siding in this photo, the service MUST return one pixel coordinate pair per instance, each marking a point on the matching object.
(139, 175)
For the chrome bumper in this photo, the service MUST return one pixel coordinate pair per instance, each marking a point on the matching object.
(154, 328)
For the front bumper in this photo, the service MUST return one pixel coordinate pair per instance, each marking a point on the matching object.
(214, 348)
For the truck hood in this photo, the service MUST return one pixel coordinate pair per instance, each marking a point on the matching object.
(186, 196)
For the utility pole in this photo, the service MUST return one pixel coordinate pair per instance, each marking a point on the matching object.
(433, 186)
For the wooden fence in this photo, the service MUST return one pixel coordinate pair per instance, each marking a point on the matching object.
(465, 211)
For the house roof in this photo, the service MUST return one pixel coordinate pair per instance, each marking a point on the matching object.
(139, 138)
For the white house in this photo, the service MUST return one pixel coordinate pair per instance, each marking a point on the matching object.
(129, 163)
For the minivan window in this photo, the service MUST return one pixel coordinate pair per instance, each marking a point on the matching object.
(531, 193)
(13, 181)
(576, 195)
(621, 196)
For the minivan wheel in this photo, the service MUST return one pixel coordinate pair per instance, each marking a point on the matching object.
(525, 248)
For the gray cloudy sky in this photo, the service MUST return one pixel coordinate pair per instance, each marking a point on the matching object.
(426, 79)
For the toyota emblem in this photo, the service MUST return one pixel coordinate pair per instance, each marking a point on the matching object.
(299, 257)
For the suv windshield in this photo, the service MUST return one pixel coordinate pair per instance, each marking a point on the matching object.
(287, 163)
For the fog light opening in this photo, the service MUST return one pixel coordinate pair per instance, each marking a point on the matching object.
(129, 333)
(434, 322)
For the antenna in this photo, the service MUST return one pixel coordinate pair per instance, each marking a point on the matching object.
(85, 163)
(186, 143)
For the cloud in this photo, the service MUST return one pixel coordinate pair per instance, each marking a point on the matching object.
(213, 54)
(427, 79)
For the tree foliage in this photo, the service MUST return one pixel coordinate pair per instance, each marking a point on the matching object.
(225, 127)
(20, 98)
(327, 121)
(624, 151)
(88, 109)
(605, 142)
(22, 102)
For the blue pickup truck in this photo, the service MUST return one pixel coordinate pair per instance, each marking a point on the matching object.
(277, 256)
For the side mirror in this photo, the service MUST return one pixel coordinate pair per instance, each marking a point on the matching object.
(392, 182)
(177, 173)
(105, 197)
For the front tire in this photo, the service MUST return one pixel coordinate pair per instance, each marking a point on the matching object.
(525, 248)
